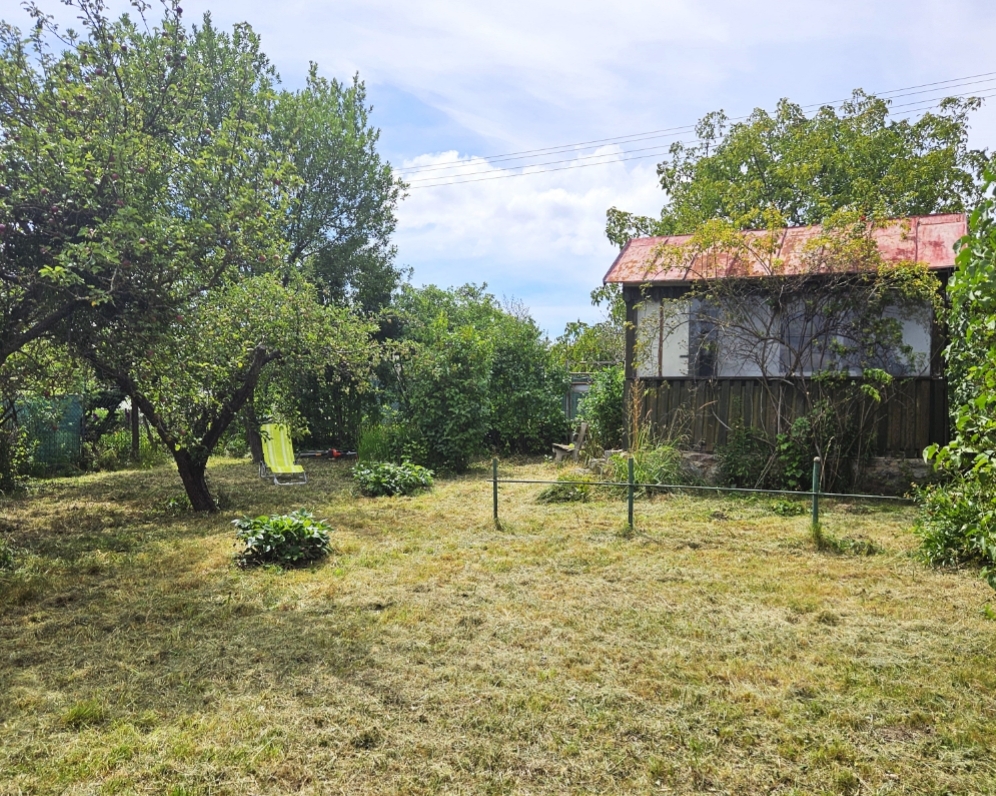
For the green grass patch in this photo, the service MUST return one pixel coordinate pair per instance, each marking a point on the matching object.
(714, 650)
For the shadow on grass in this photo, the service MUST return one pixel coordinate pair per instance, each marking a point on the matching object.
(107, 583)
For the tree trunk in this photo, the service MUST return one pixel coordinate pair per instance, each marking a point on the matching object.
(252, 433)
(135, 438)
(148, 433)
(192, 474)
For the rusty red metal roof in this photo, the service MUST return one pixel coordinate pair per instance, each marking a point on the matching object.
(924, 239)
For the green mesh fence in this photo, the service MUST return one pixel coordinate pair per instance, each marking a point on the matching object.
(55, 429)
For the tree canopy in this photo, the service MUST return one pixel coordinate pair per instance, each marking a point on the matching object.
(160, 213)
(856, 158)
(467, 374)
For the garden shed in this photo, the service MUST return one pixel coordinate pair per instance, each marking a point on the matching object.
(694, 364)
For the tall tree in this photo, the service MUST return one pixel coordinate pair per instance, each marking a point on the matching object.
(147, 200)
(343, 204)
(807, 167)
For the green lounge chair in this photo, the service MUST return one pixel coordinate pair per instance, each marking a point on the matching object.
(278, 456)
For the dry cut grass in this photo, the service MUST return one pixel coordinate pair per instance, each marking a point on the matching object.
(716, 651)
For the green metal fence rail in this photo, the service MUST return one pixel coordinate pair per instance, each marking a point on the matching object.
(631, 486)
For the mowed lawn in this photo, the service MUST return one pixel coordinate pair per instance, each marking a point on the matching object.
(715, 651)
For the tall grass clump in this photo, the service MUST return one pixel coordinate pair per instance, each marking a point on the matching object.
(375, 444)
(656, 457)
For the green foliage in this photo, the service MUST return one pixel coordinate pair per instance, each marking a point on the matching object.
(794, 456)
(957, 525)
(15, 456)
(447, 410)
(788, 508)
(526, 390)
(958, 519)
(284, 539)
(659, 463)
(469, 374)
(112, 450)
(571, 487)
(375, 444)
(385, 479)
(8, 556)
(602, 408)
(87, 713)
(161, 210)
(807, 167)
(745, 459)
(585, 347)
(342, 211)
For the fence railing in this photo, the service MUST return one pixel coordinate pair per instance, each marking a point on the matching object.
(632, 485)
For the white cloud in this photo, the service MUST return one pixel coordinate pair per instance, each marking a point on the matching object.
(540, 237)
(522, 74)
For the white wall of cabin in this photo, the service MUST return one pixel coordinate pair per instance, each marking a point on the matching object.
(667, 355)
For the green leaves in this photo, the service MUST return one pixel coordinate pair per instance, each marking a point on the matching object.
(384, 479)
(958, 519)
(286, 539)
(807, 167)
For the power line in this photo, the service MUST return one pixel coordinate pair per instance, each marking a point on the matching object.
(614, 157)
(634, 137)
(481, 166)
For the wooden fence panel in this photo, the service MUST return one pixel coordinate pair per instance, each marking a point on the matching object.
(914, 414)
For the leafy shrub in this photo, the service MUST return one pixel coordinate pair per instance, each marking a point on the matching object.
(752, 459)
(654, 464)
(957, 524)
(571, 487)
(794, 455)
(788, 508)
(379, 479)
(15, 456)
(112, 451)
(527, 390)
(286, 539)
(448, 408)
(744, 459)
(602, 407)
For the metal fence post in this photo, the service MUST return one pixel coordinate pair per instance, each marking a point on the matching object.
(816, 491)
(494, 486)
(629, 465)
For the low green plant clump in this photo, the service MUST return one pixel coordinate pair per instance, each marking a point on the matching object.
(571, 487)
(7, 555)
(752, 459)
(957, 525)
(87, 713)
(285, 539)
(375, 444)
(788, 508)
(384, 479)
(652, 464)
(843, 546)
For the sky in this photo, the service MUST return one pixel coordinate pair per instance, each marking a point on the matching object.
(460, 82)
